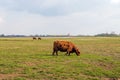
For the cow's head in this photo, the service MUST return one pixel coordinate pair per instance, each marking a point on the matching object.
(77, 52)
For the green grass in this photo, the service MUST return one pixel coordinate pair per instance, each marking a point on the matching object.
(25, 59)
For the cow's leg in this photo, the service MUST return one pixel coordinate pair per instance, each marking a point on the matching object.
(68, 53)
(69, 50)
(57, 53)
(53, 53)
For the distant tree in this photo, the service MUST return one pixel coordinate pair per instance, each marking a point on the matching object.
(2, 35)
(112, 34)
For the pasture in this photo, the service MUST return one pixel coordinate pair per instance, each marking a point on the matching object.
(27, 59)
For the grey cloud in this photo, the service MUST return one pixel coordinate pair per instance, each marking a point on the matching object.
(63, 7)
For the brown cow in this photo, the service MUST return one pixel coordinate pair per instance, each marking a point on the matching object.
(39, 38)
(34, 38)
(65, 46)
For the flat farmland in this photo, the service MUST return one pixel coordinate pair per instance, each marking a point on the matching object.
(27, 59)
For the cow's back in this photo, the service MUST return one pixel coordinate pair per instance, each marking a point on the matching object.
(62, 45)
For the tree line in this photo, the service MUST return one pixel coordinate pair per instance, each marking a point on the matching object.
(97, 35)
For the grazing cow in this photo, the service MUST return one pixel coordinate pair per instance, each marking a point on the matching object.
(65, 46)
(39, 38)
(34, 38)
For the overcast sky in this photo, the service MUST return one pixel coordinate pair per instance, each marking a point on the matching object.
(59, 17)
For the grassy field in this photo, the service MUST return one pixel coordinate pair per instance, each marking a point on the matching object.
(25, 59)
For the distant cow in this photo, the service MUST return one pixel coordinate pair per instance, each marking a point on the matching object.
(39, 38)
(65, 46)
(34, 38)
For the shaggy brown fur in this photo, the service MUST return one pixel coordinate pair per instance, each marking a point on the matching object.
(34, 38)
(65, 46)
(39, 38)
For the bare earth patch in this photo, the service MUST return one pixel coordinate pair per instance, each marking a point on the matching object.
(111, 79)
(8, 76)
